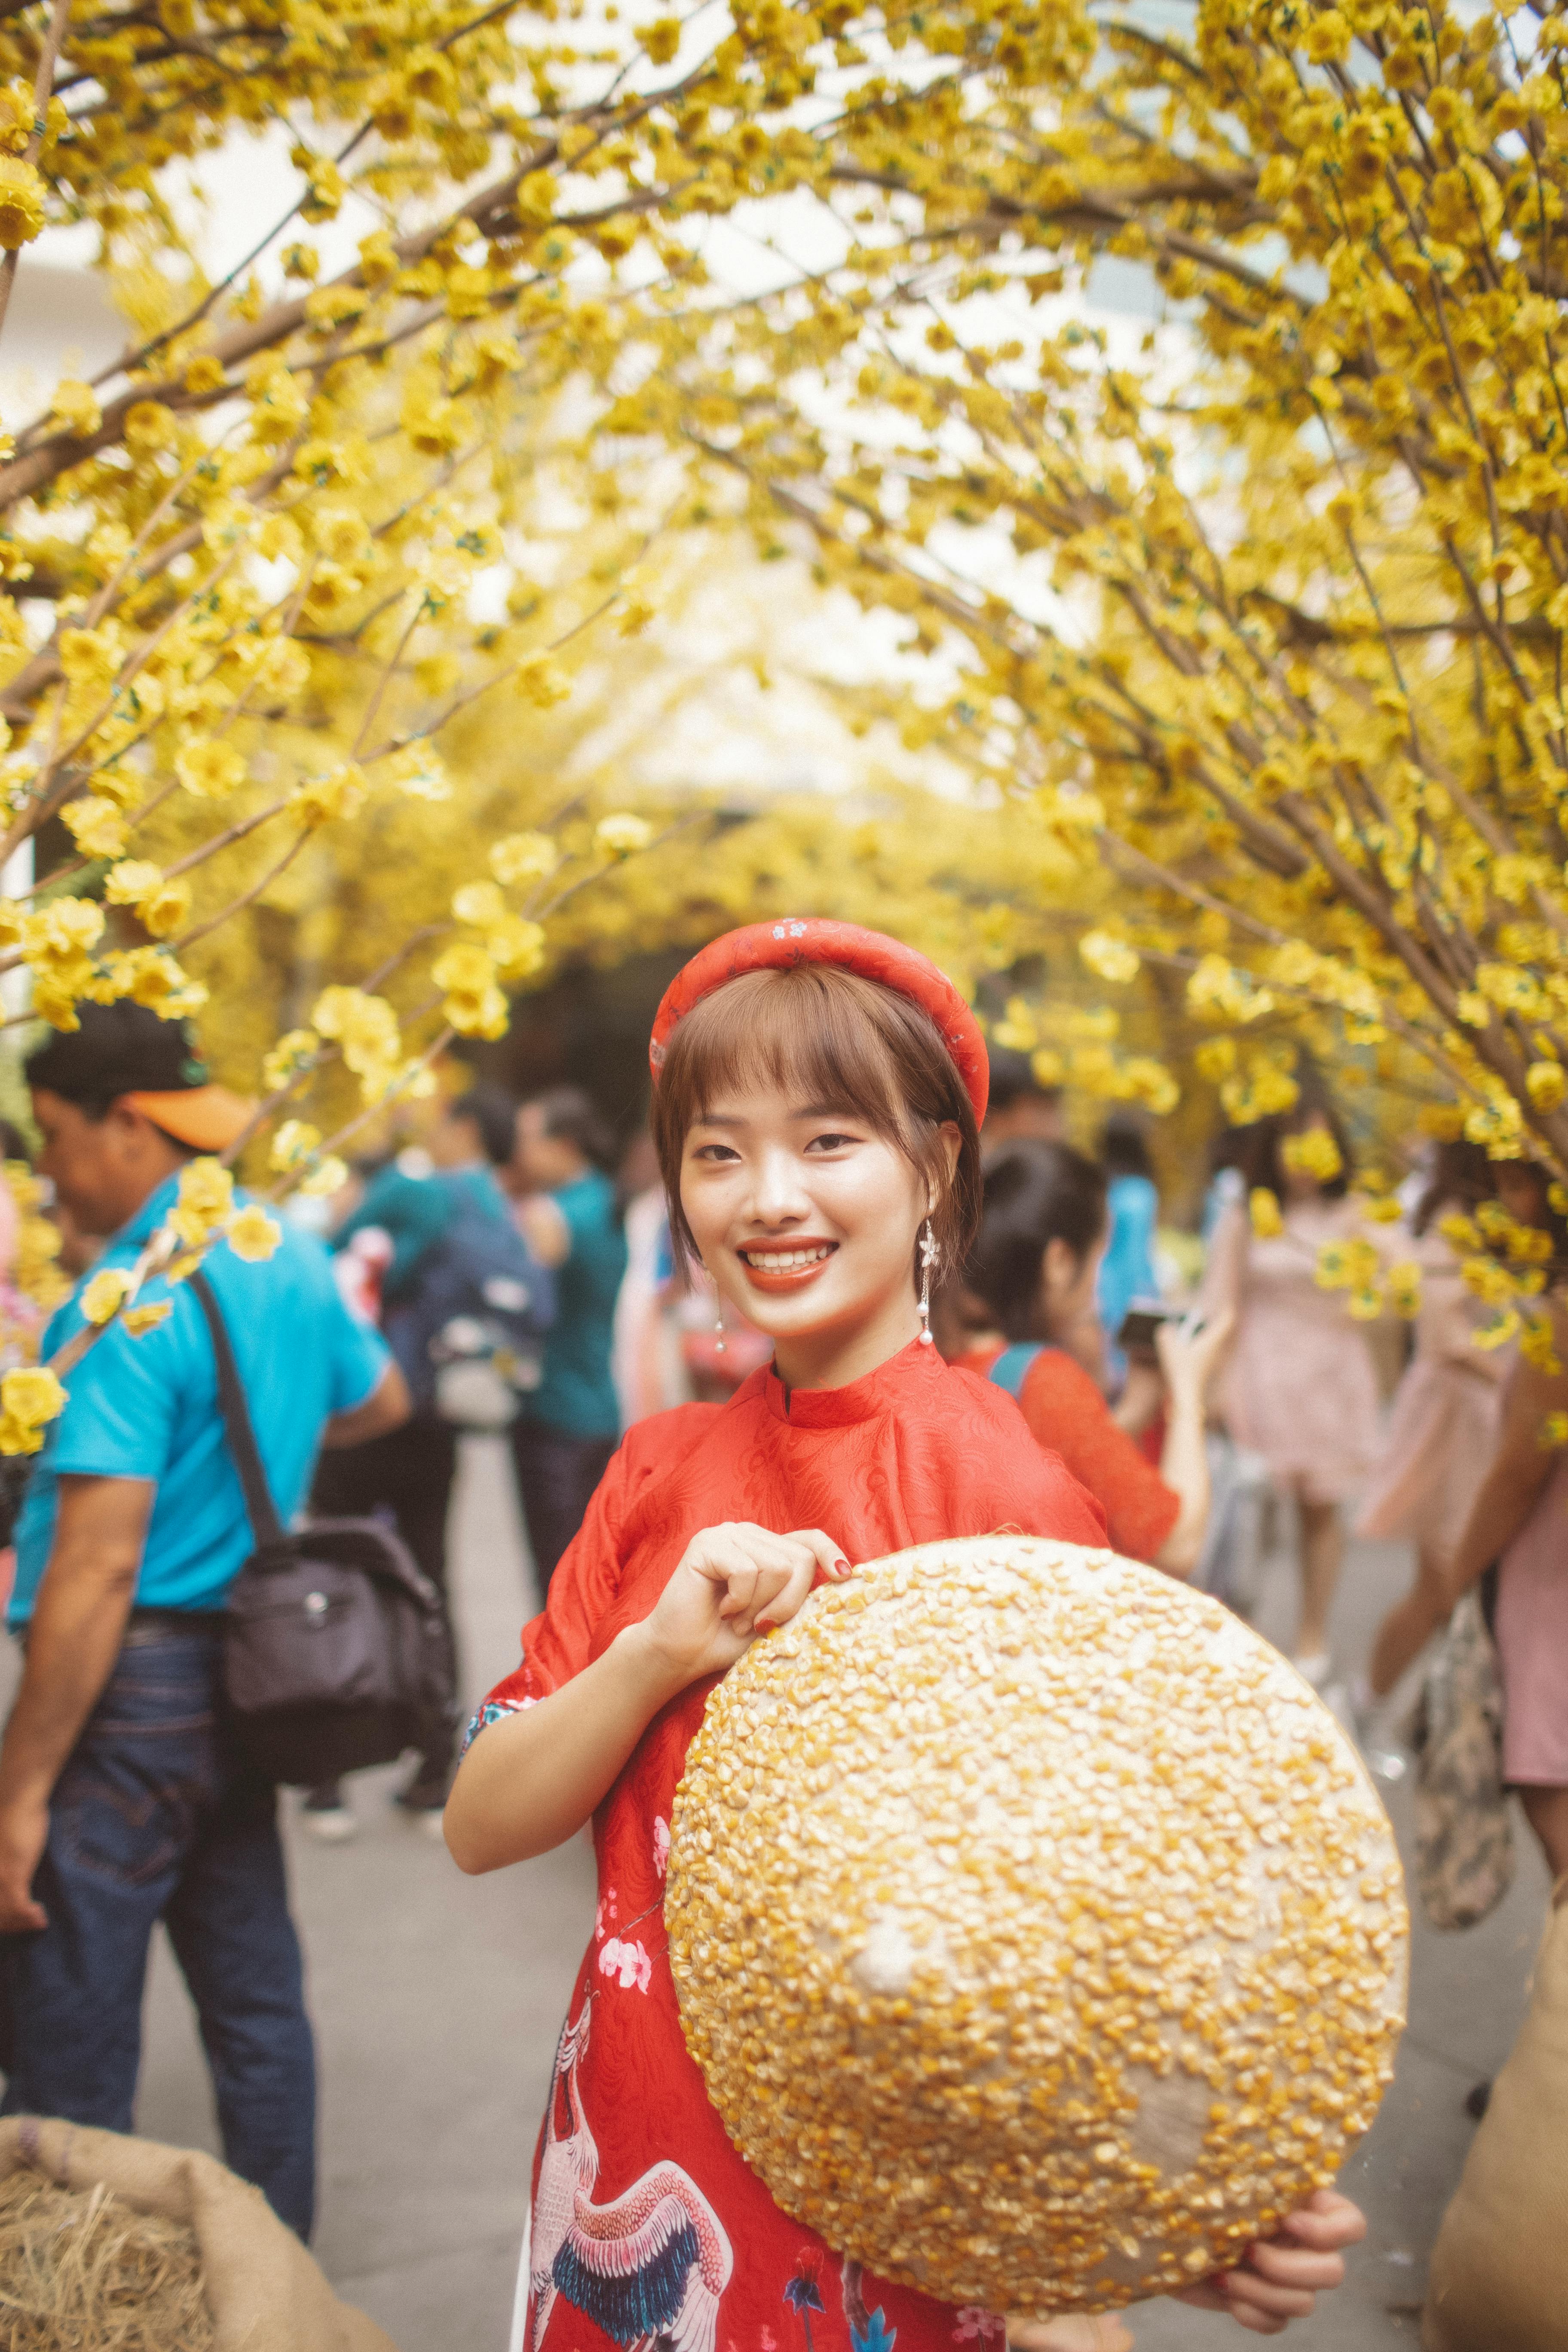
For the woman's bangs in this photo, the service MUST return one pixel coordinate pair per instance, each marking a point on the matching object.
(810, 1042)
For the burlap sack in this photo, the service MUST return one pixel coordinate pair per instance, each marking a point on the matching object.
(266, 2293)
(1500, 2269)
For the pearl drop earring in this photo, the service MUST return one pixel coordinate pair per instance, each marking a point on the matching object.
(931, 1255)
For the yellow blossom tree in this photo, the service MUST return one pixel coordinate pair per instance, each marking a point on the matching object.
(1273, 610)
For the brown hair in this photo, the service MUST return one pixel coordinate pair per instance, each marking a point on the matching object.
(825, 1036)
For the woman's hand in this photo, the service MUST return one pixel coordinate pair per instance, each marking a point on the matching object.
(1282, 2276)
(733, 1583)
(1190, 1361)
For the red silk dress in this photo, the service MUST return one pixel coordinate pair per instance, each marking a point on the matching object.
(647, 2227)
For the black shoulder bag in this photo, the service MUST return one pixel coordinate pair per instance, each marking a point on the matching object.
(336, 1654)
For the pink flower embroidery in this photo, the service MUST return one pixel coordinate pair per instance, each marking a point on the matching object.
(627, 1963)
(660, 1843)
(604, 1917)
(976, 2326)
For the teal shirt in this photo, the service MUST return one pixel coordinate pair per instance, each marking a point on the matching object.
(577, 1393)
(148, 1408)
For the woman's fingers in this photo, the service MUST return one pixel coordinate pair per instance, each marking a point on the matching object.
(1293, 2266)
(1328, 2223)
(826, 1554)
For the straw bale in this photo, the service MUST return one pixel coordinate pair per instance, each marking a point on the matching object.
(82, 2271)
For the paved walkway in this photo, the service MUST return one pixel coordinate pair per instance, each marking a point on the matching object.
(437, 1999)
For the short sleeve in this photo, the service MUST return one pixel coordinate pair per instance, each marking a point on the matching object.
(559, 1642)
(358, 1358)
(1067, 1413)
(122, 1406)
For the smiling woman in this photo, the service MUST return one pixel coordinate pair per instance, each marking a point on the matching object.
(818, 1090)
(812, 1125)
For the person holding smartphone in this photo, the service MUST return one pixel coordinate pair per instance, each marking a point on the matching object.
(1035, 1265)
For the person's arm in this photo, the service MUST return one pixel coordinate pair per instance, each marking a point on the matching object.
(388, 1407)
(542, 1223)
(78, 1620)
(1520, 1469)
(413, 1212)
(530, 1781)
(1189, 1366)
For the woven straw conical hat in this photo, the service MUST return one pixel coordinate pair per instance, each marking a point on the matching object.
(1039, 1932)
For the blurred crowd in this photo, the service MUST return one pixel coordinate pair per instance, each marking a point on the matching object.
(1205, 1385)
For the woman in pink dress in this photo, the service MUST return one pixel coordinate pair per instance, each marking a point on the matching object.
(1299, 1387)
(818, 1093)
(1443, 1430)
(1519, 1519)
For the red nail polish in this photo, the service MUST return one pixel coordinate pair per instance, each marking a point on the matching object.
(841, 1566)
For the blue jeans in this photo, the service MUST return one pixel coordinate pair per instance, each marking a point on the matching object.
(154, 1817)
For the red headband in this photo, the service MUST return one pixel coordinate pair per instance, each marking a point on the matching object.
(779, 947)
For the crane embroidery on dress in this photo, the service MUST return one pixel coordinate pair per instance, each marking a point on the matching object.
(868, 2330)
(647, 2268)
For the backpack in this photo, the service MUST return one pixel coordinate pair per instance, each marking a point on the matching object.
(1012, 1366)
(336, 1651)
(470, 1337)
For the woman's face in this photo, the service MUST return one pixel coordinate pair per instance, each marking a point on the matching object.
(1521, 1189)
(1067, 1283)
(806, 1219)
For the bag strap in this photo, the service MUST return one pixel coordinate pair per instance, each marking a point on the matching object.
(1012, 1366)
(265, 1527)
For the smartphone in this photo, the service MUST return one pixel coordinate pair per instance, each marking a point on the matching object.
(1141, 1320)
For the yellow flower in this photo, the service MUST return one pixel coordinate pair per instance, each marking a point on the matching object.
(30, 1396)
(105, 1295)
(1547, 1082)
(95, 825)
(137, 879)
(165, 910)
(294, 1142)
(516, 946)
(523, 857)
(1460, 1233)
(1492, 1283)
(1536, 1344)
(329, 1175)
(341, 793)
(1110, 957)
(1215, 1058)
(208, 769)
(1404, 1288)
(478, 903)
(1264, 1211)
(1553, 1430)
(1312, 1153)
(22, 199)
(1383, 1212)
(542, 681)
(1498, 1332)
(206, 1191)
(252, 1234)
(75, 405)
(1366, 1306)
(140, 1320)
(293, 1050)
(619, 837)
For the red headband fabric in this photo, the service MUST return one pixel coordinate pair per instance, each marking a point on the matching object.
(778, 947)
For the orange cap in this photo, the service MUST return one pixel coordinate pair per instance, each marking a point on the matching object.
(207, 1118)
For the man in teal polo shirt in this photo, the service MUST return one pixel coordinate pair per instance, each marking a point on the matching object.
(121, 1799)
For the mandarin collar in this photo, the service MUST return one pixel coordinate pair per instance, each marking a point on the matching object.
(892, 1387)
